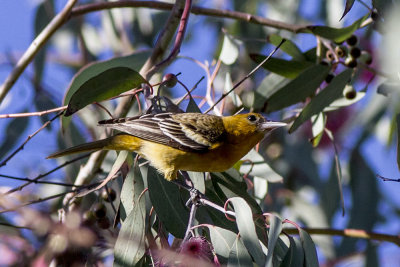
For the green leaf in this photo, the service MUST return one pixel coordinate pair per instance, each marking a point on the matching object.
(286, 68)
(254, 164)
(238, 255)
(298, 89)
(105, 85)
(131, 189)
(247, 229)
(318, 125)
(168, 204)
(310, 252)
(230, 184)
(271, 83)
(230, 50)
(197, 179)
(15, 129)
(337, 34)
(134, 61)
(130, 245)
(222, 241)
(349, 5)
(332, 92)
(275, 229)
(288, 47)
(295, 255)
(192, 106)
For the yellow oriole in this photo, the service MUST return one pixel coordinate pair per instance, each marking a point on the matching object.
(184, 141)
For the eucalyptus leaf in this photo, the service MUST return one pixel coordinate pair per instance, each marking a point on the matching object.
(286, 68)
(105, 85)
(275, 229)
(168, 204)
(349, 5)
(337, 34)
(310, 251)
(330, 93)
(298, 89)
(247, 229)
(238, 255)
(133, 61)
(222, 241)
(288, 47)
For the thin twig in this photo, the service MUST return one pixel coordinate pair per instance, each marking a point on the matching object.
(236, 15)
(190, 91)
(31, 114)
(34, 48)
(356, 233)
(178, 40)
(246, 77)
(34, 181)
(4, 162)
(385, 179)
(40, 176)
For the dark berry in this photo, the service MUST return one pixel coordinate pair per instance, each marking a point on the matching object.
(108, 195)
(349, 92)
(100, 210)
(352, 40)
(355, 52)
(170, 80)
(374, 15)
(351, 62)
(88, 218)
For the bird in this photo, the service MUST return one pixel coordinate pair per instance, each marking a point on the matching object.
(174, 142)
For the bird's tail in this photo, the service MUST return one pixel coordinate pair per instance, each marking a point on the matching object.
(87, 147)
(116, 142)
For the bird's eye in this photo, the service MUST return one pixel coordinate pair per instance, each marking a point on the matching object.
(252, 118)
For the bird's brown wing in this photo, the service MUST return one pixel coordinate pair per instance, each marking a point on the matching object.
(184, 131)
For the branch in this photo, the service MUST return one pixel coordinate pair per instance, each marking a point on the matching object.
(34, 48)
(4, 162)
(40, 176)
(355, 233)
(84, 9)
(31, 114)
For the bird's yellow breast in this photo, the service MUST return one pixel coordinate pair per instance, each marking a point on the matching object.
(219, 157)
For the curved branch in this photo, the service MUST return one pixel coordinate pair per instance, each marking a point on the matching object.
(84, 9)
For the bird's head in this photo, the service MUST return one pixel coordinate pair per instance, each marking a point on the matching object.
(250, 125)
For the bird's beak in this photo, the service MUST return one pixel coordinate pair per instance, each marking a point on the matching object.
(271, 125)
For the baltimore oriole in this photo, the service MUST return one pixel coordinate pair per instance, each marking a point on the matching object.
(183, 141)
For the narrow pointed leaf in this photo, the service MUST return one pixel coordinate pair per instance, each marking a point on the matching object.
(288, 47)
(337, 34)
(298, 89)
(332, 92)
(310, 251)
(247, 229)
(349, 5)
(286, 68)
(275, 229)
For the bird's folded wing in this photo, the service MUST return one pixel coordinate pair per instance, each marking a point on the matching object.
(159, 128)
